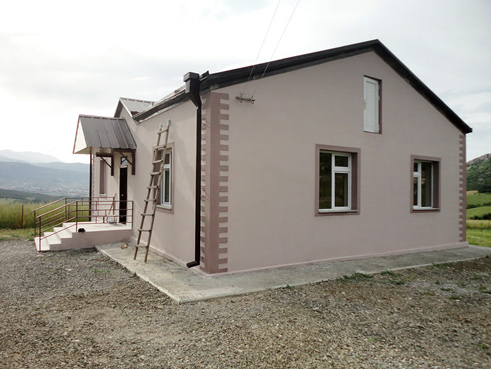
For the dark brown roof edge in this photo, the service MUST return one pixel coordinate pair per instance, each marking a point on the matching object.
(231, 77)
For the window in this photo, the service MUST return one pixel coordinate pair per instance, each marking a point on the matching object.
(102, 177)
(337, 177)
(425, 183)
(372, 105)
(166, 184)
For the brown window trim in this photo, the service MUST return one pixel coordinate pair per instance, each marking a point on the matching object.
(166, 208)
(355, 179)
(436, 183)
(380, 131)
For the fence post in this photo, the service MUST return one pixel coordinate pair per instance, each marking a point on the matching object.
(22, 217)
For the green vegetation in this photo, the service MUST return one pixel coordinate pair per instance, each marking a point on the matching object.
(16, 215)
(479, 218)
(12, 196)
(479, 174)
(482, 212)
(480, 237)
(16, 234)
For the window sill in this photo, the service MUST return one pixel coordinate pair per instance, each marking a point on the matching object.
(424, 210)
(337, 212)
(165, 208)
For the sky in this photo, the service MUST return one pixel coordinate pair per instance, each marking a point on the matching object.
(59, 59)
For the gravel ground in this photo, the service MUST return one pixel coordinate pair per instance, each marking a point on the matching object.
(78, 309)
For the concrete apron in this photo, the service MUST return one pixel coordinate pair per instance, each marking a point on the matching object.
(184, 285)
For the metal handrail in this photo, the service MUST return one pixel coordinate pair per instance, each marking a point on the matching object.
(88, 210)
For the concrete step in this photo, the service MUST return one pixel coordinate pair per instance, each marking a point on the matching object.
(95, 234)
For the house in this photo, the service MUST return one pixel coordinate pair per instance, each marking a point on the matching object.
(337, 154)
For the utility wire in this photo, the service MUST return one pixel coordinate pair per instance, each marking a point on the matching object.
(274, 51)
(260, 49)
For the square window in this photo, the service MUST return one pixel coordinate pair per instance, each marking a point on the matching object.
(425, 183)
(337, 177)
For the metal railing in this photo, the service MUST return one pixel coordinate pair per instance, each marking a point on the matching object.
(69, 212)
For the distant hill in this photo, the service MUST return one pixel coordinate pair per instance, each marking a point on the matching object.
(76, 167)
(41, 179)
(26, 156)
(479, 174)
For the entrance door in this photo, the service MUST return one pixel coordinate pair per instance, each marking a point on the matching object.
(123, 190)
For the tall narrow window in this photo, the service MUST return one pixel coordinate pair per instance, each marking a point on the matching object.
(166, 186)
(372, 105)
(425, 184)
(334, 181)
(102, 177)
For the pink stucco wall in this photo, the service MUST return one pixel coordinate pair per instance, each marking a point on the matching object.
(271, 189)
(173, 233)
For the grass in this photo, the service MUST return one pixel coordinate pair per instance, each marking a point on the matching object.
(476, 199)
(478, 230)
(16, 234)
(478, 213)
(479, 237)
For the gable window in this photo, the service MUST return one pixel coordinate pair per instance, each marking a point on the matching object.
(337, 180)
(425, 183)
(372, 96)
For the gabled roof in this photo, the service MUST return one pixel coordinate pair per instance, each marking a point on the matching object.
(134, 106)
(215, 81)
(102, 135)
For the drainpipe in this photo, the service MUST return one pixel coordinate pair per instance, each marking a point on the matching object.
(192, 90)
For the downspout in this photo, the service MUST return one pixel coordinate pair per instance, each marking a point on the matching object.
(192, 90)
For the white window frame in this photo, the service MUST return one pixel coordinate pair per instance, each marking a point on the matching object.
(417, 175)
(341, 170)
(368, 124)
(167, 172)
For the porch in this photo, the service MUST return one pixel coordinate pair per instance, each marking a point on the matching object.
(70, 224)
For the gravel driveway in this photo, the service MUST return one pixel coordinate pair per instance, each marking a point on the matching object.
(78, 309)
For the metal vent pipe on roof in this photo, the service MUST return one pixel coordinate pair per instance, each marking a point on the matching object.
(192, 91)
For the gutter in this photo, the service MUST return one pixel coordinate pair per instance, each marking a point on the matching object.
(193, 92)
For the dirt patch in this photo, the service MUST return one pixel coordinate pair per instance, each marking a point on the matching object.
(78, 309)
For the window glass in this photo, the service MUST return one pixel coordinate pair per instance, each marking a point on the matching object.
(341, 189)
(426, 187)
(325, 187)
(341, 161)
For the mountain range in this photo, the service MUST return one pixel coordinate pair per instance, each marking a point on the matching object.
(44, 174)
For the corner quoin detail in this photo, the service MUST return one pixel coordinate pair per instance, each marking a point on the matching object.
(462, 189)
(214, 184)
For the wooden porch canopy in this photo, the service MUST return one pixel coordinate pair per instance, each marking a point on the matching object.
(102, 137)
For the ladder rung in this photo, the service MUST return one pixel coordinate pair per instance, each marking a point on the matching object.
(144, 230)
(162, 131)
(157, 161)
(147, 215)
(159, 147)
(154, 173)
(148, 200)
